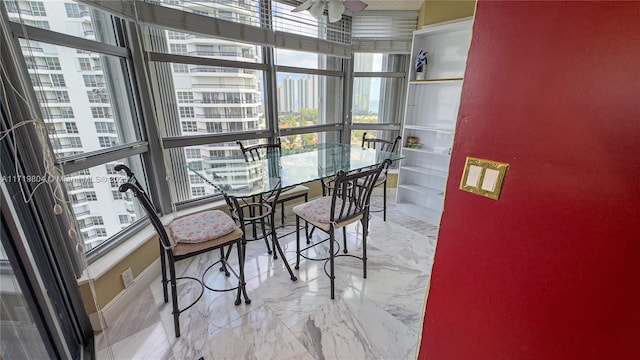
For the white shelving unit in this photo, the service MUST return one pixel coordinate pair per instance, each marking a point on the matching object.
(431, 114)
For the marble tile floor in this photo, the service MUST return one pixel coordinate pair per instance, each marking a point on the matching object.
(375, 318)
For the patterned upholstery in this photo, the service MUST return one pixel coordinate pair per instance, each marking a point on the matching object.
(201, 227)
(318, 212)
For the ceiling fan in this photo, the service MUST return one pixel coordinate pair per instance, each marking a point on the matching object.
(335, 8)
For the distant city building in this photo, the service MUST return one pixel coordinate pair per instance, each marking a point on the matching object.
(362, 87)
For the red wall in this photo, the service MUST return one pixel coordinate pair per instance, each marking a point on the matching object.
(552, 269)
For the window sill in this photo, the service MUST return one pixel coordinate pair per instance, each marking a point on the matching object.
(105, 263)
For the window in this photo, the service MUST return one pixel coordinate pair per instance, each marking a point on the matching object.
(71, 127)
(66, 112)
(73, 10)
(181, 68)
(41, 24)
(214, 127)
(105, 127)
(85, 64)
(193, 153)
(186, 112)
(37, 8)
(124, 219)
(185, 96)
(197, 191)
(75, 142)
(195, 179)
(189, 126)
(92, 81)
(100, 112)
(222, 91)
(107, 141)
(57, 80)
(174, 35)
(178, 49)
(377, 100)
(52, 63)
(100, 232)
(97, 97)
(117, 195)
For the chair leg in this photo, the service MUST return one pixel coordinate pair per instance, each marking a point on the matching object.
(242, 285)
(276, 245)
(263, 227)
(384, 201)
(174, 299)
(365, 228)
(344, 239)
(223, 266)
(163, 267)
(331, 268)
(282, 215)
(298, 242)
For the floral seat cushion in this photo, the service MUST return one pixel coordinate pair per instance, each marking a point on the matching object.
(318, 210)
(204, 226)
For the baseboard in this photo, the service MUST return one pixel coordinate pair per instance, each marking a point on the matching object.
(119, 303)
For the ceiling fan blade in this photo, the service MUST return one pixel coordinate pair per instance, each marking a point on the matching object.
(317, 9)
(355, 5)
(336, 8)
(304, 6)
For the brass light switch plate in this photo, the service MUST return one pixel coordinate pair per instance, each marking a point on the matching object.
(483, 177)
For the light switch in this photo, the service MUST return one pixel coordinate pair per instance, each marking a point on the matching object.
(474, 175)
(483, 177)
(489, 180)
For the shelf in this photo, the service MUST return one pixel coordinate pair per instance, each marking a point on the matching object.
(422, 189)
(434, 81)
(427, 128)
(427, 151)
(426, 171)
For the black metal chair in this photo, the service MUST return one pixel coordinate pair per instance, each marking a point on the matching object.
(348, 203)
(178, 241)
(257, 152)
(383, 145)
(257, 212)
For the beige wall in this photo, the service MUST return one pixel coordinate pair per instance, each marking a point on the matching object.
(109, 285)
(433, 12)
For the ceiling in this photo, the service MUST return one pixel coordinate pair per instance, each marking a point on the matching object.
(393, 5)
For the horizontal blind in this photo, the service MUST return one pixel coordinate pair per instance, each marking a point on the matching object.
(247, 24)
(383, 31)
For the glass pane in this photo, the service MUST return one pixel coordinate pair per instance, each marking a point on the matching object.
(378, 62)
(307, 60)
(83, 99)
(19, 336)
(306, 100)
(101, 210)
(292, 142)
(187, 185)
(213, 99)
(158, 39)
(72, 18)
(377, 100)
(240, 11)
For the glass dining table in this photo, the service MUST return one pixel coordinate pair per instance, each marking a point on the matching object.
(250, 186)
(235, 176)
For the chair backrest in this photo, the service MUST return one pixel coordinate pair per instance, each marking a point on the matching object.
(380, 144)
(134, 186)
(352, 192)
(259, 152)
